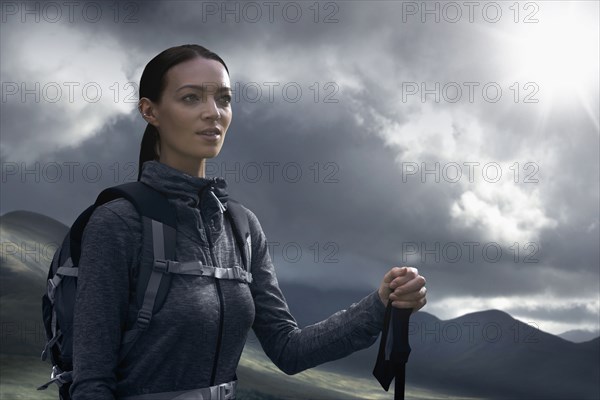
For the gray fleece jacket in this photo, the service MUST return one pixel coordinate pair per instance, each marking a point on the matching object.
(181, 349)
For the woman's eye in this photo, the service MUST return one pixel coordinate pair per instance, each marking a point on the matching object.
(190, 98)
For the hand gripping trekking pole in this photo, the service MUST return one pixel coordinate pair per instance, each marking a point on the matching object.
(394, 349)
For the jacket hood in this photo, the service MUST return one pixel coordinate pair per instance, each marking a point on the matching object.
(192, 190)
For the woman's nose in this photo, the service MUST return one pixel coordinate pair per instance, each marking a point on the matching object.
(210, 110)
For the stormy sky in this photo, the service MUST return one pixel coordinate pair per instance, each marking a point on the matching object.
(458, 137)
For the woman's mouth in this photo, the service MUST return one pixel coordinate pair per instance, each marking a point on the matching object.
(210, 134)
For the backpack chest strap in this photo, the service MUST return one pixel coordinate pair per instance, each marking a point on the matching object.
(197, 268)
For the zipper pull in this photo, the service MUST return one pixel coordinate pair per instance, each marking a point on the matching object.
(221, 206)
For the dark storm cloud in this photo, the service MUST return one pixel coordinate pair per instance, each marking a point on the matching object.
(371, 216)
(574, 314)
(69, 180)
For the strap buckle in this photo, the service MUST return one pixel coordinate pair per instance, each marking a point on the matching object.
(143, 318)
(226, 391)
(59, 377)
(161, 265)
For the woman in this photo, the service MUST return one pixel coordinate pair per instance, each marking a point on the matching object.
(186, 100)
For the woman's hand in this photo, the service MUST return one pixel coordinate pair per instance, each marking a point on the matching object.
(405, 287)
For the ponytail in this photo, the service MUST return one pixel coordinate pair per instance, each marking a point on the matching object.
(150, 147)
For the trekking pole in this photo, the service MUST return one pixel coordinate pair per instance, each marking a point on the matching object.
(394, 350)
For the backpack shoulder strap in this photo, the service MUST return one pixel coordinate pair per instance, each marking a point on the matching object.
(241, 231)
(148, 201)
(159, 221)
(159, 228)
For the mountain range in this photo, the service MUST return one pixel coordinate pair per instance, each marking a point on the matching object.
(486, 354)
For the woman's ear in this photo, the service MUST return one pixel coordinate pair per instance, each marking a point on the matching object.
(147, 110)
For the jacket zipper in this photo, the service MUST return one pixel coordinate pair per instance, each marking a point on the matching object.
(207, 231)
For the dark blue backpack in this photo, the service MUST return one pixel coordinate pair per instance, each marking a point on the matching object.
(153, 279)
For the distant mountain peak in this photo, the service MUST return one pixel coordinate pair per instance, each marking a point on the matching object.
(580, 335)
(492, 314)
(19, 216)
(31, 222)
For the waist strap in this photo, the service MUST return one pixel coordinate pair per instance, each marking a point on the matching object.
(224, 391)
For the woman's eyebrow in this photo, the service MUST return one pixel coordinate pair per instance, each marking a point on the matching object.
(202, 88)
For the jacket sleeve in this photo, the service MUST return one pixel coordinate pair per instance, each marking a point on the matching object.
(101, 304)
(293, 349)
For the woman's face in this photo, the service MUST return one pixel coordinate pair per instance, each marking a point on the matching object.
(197, 96)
